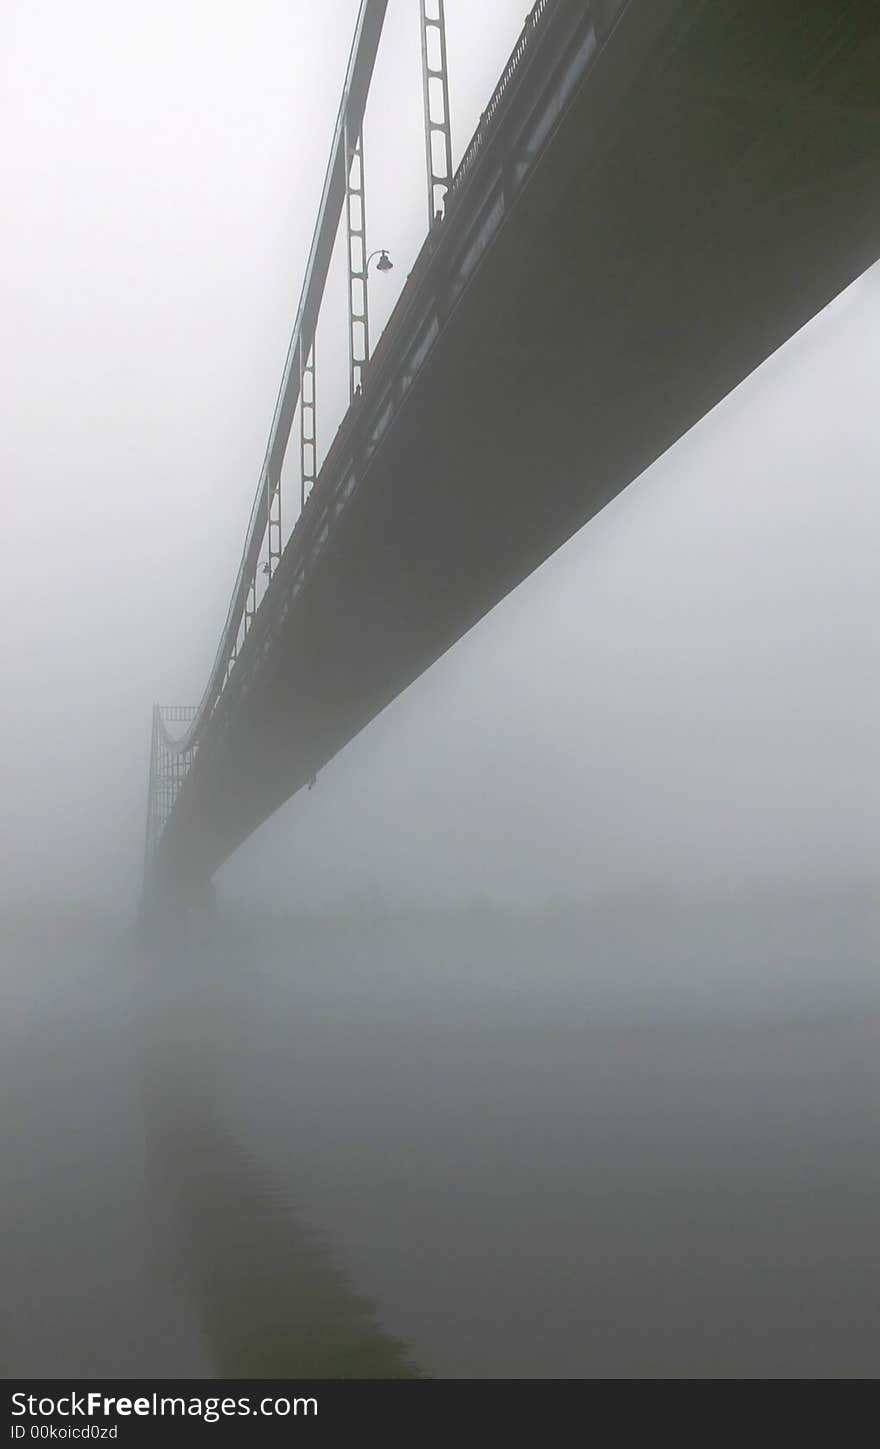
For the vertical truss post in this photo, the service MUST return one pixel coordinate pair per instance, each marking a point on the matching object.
(308, 418)
(164, 782)
(435, 88)
(358, 311)
(274, 528)
(152, 795)
(250, 607)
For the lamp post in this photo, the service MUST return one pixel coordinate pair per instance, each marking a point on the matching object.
(359, 367)
(384, 263)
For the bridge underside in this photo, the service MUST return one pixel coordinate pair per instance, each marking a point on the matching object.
(711, 186)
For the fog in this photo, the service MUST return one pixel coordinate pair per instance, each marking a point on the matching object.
(585, 919)
(689, 686)
(685, 696)
(162, 168)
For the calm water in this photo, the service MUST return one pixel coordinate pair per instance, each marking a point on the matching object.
(638, 1141)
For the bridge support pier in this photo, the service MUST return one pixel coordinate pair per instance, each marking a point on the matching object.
(204, 920)
(179, 925)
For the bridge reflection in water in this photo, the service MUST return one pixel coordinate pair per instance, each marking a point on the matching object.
(631, 1141)
(271, 1300)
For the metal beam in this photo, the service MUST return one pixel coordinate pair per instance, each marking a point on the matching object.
(308, 427)
(358, 301)
(368, 31)
(435, 88)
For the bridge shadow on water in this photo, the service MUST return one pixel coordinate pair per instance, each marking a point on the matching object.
(271, 1299)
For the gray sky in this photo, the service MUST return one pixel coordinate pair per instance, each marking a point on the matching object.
(686, 694)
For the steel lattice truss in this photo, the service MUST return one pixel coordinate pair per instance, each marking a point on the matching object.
(170, 759)
(344, 190)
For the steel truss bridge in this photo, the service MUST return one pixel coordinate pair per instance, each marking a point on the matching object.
(659, 193)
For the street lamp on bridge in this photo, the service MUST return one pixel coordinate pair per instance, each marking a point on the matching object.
(384, 263)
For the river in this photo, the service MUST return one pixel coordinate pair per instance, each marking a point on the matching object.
(636, 1140)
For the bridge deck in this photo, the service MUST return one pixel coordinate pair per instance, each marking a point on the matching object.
(668, 191)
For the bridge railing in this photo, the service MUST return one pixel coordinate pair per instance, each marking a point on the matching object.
(238, 660)
(520, 50)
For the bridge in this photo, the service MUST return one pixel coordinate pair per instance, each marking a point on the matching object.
(658, 194)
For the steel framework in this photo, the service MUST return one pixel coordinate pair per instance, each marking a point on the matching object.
(344, 187)
(349, 121)
(435, 89)
(170, 760)
(358, 291)
(308, 427)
